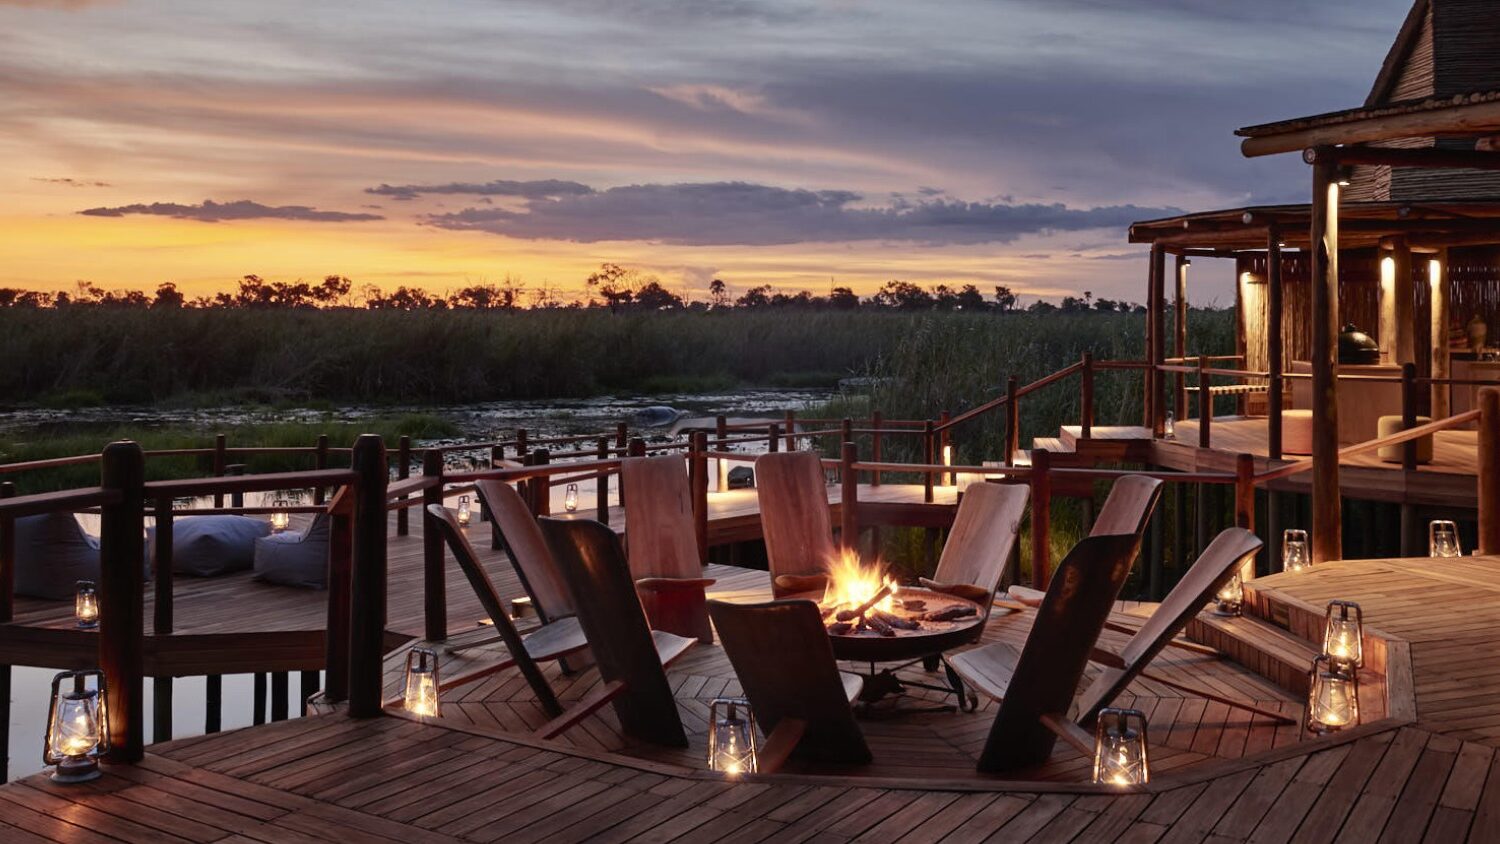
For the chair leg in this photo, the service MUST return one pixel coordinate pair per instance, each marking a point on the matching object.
(967, 700)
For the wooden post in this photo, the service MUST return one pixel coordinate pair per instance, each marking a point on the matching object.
(308, 681)
(434, 582)
(258, 698)
(601, 485)
(320, 461)
(1041, 518)
(1489, 470)
(622, 436)
(213, 703)
(1244, 503)
(1404, 345)
(1179, 323)
(541, 485)
(1408, 415)
(773, 438)
(521, 446)
(1275, 383)
(1158, 341)
(1086, 398)
(791, 430)
(1205, 404)
(221, 459)
(7, 614)
(121, 600)
(1012, 420)
(721, 431)
(945, 446)
(849, 496)
(846, 430)
(637, 447)
(161, 622)
(403, 471)
(368, 607)
(928, 438)
(497, 460)
(1437, 281)
(1327, 516)
(280, 686)
(337, 640)
(877, 445)
(234, 470)
(698, 484)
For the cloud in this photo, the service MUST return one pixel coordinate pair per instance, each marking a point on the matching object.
(538, 189)
(739, 213)
(216, 212)
(70, 182)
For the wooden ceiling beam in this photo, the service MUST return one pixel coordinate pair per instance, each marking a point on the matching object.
(1481, 118)
(1445, 158)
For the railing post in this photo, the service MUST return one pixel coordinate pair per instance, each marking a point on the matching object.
(1205, 404)
(521, 449)
(320, 462)
(1244, 502)
(121, 599)
(1489, 470)
(622, 436)
(637, 447)
(162, 621)
(721, 430)
(497, 460)
(403, 471)
(1086, 397)
(368, 604)
(434, 584)
(1041, 518)
(221, 458)
(601, 484)
(849, 496)
(234, 470)
(945, 447)
(1012, 420)
(541, 486)
(7, 614)
(846, 430)
(773, 438)
(791, 430)
(877, 448)
(928, 439)
(698, 483)
(340, 579)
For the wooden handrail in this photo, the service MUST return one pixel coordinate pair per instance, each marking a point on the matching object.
(1300, 466)
(193, 487)
(70, 500)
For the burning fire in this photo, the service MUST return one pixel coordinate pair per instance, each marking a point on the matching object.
(852, 582)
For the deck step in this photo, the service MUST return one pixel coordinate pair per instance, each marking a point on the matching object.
(1264, 648)
(1056, 445)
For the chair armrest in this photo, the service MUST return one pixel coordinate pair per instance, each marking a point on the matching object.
(1027, 596)
(780, 744)
(977, 594)
(801, 582)
(669, 584)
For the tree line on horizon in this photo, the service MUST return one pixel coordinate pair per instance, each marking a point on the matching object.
(613, 287)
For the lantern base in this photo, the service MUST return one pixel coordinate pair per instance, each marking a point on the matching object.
(1227, 612)
(76, 770)
(88, 625)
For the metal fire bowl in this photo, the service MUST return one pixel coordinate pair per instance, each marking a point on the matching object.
(934, 637)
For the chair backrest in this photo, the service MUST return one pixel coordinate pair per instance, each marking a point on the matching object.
(440, 519)
(984, 532)
(660, 537)
(1218, 562)
(1063, 634)
(528, 550)
(784, 662)
(589, 556)
(794, 515)
(1128, 506)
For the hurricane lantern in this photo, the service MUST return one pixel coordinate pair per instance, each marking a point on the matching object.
(422, 682)
(1332, 696)
(1120, 753)
(77, 726)
(465, 510)
(731, 738)
(1295, 555)
(1344, 634)
(570, 498)
(1231, 596)
(86, 605)
(1169, 427)
(280, 518)
(1442, 539)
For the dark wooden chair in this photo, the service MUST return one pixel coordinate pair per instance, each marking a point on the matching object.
(795, 522)
(1230, 550)
(662, 547)
(1035, 685)
(528, 551)
(980, 542)
(1127, 509)
(782, 657)
(629, 654)
(549, 642)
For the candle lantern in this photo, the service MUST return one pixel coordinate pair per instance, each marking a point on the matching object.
(1344, 634)
(422, 682)
(1120, 754)
(464, 510)
(77, 726)
(1294, 550)
(86, 605)
(1442, 539)
(731, 737)
(570, 498)
(1169, 427)
(1332, 696)
(1231, 596)
(280, 519)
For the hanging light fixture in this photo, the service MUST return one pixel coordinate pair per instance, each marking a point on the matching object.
(1442, 539)
(570, 498)
(464, 511)
(1344, 634)
(1332, 696)
(1231, 596)
(77, 726)
(422, 682)
(280, 519)
(86, 605)
(1120, 754)
(731, 737)
(1294, 550)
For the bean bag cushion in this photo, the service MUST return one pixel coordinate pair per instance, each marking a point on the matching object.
(295, 559)
(53, 553)
(205, 546)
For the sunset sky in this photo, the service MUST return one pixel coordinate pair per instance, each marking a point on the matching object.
(790, 142)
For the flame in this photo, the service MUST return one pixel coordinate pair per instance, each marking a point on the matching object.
(851, 582)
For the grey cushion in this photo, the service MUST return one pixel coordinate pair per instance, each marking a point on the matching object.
(295, 559)
(53, 553)
(209, 545)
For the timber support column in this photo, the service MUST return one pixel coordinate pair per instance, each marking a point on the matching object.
(1156, 343)
(1327, 510)
(122, 613)
(1489, 470)
(1180, 309)
(1274, 365)
(1437, 281)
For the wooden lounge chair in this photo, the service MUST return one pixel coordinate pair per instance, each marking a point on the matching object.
(1218, 562)
(781, 655)
(551, 641)
(980, 542)
(1035, 685)
(527, 549)
(631, 657)
(795, 523)
(662, 546)
(1126, 509)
